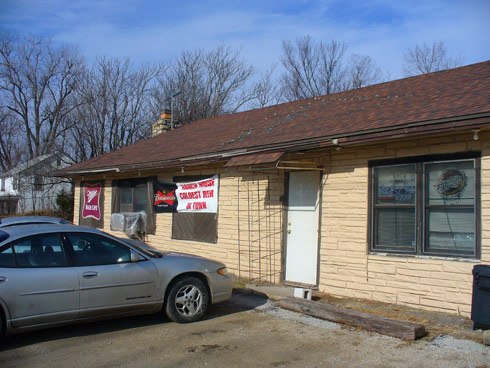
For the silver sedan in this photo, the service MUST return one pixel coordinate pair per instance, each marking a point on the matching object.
(53, 274)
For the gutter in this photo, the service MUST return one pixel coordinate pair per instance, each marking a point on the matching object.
(92, 171)
(333, 140)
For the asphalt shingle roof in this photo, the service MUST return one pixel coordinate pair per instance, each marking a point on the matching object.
(459, 92)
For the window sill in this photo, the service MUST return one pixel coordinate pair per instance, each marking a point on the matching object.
(418, 256)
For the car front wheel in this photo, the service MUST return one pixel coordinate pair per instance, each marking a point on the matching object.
(187, 300)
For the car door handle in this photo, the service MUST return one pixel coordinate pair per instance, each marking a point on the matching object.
(2, 279)
(90, 274)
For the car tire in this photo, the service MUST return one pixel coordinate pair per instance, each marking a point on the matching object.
(187, 300)
(2, 323)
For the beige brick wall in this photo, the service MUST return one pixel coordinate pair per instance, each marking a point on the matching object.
(249, 224)
(76, 206)
(250, 229)
(346, 267)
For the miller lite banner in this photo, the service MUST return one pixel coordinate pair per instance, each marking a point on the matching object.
(91, 200)
(91, 212)
(197, 196)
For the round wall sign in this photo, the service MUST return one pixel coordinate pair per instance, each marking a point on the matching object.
(451, 182)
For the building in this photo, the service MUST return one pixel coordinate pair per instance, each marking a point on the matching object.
(378, 193)
(9, 196)
(30, 187)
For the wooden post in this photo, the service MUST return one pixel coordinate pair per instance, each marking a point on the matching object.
(382, 325)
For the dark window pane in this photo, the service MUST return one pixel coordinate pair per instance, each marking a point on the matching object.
(38, 182)
(195, 226)
(7, 258)
(126, 208)
(395, 184)
(40, 251)
(395, 227)
(133, 196)
(126, 195)
(91, 250)
(140, 199)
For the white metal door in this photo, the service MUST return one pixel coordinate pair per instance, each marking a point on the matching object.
(302, 227)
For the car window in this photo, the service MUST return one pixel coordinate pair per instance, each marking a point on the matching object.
(7, 257)
(44, 250)
(93, 249)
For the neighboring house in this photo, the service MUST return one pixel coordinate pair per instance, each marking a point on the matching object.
(9, 195)
(379, 193)
(31, 187)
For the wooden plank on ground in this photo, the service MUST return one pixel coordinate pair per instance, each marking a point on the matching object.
(382, 325)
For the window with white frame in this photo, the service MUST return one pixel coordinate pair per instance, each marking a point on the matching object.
(426, 206)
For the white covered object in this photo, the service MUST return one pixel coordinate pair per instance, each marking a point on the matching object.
(132, 223)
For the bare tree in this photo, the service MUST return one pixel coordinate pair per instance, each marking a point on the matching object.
(114, 108)
(37, 79)
(429, 58)
(312, 69)
(11, 151)
(266, 91)
(209, 83)
(362, 71)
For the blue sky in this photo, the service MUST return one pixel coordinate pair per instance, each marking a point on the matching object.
(158, 30)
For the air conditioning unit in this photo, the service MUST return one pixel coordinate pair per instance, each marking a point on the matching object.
(133, 224)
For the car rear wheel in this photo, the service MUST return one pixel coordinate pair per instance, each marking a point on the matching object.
(187, 300)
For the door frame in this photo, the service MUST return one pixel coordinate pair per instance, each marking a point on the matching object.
(285, 226)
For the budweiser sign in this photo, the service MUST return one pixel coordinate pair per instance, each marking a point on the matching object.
(164, 199)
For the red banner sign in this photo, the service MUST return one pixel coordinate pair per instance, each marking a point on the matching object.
(91, 201)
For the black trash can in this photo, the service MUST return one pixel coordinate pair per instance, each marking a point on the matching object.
(480, 303)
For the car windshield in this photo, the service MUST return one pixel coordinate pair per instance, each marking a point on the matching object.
(144, 248)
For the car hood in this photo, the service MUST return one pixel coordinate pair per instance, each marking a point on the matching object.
(179, 254)
(182, 262)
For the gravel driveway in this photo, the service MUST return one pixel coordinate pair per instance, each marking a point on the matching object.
(247, 331)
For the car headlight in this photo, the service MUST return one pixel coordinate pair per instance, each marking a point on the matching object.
(223, 271)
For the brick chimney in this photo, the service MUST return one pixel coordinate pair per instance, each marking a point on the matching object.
(162, 125)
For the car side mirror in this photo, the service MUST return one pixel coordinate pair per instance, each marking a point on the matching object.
(135, 257)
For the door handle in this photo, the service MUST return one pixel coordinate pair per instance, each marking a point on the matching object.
(289, 231)
(90, 274)
(3, 279)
